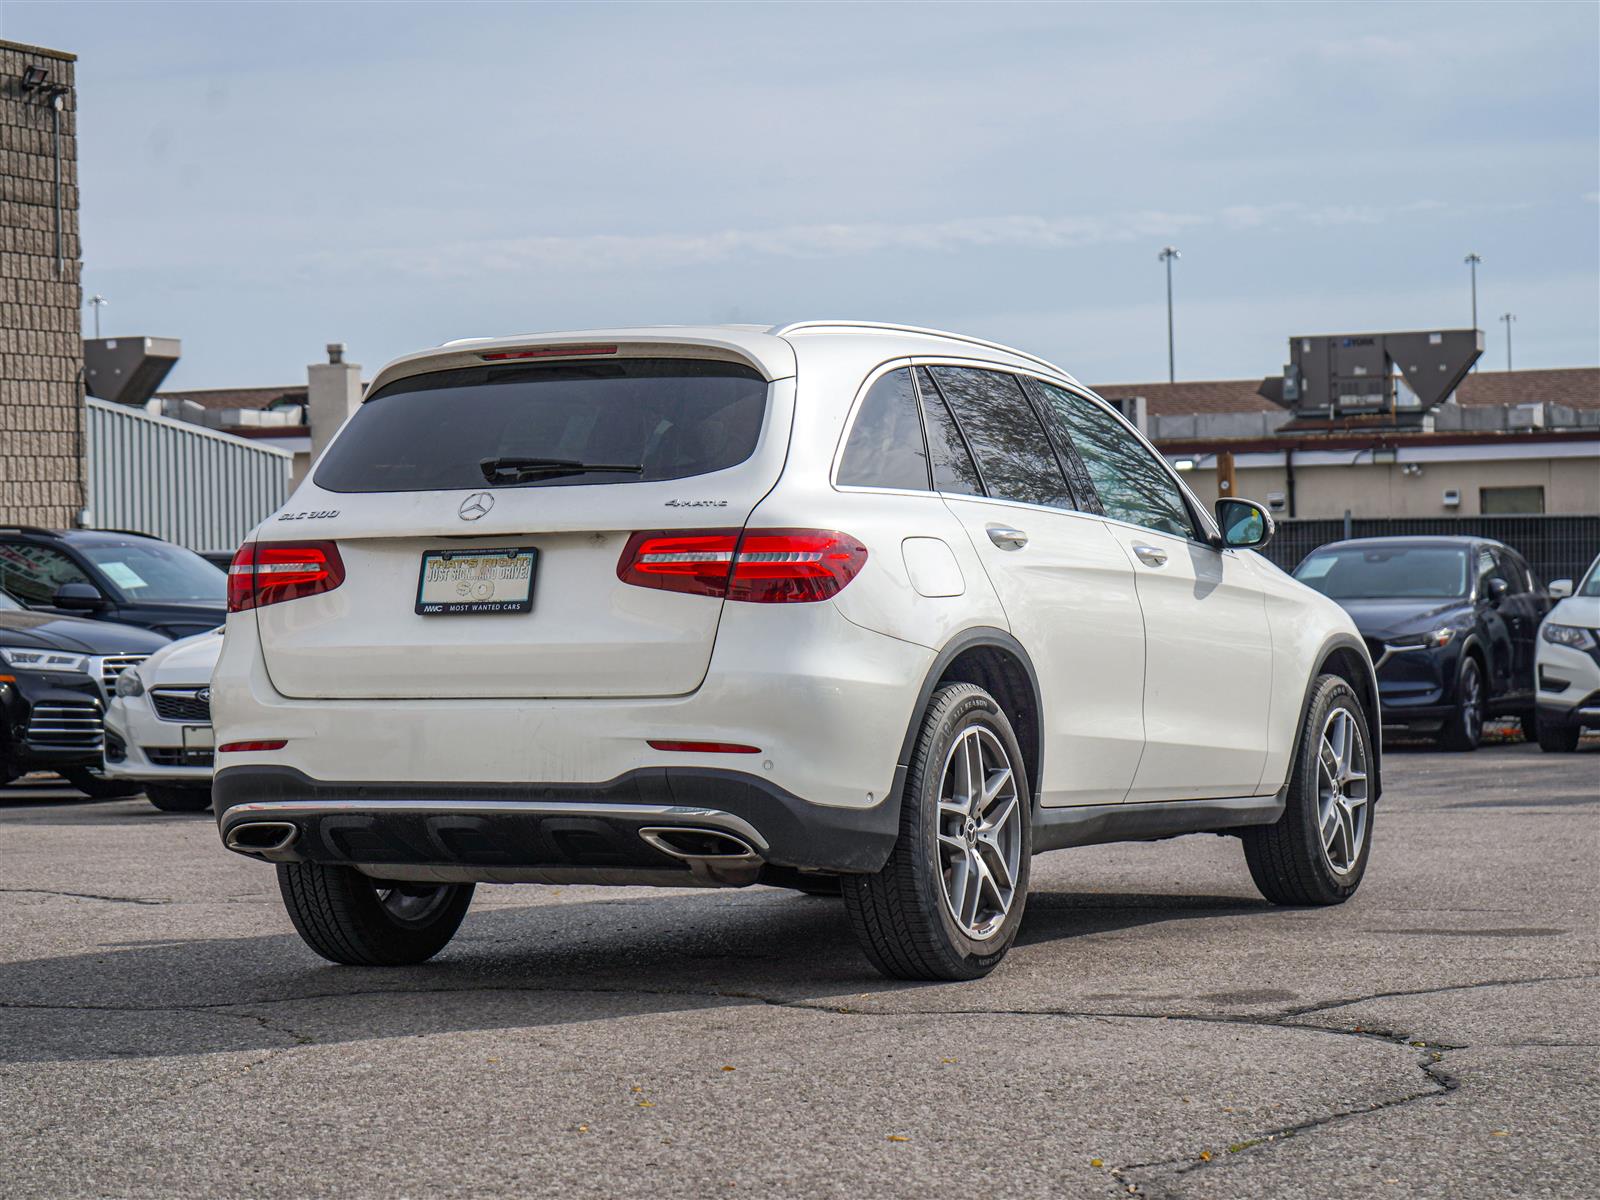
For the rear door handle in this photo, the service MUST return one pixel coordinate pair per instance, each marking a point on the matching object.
(1151, 556)
(1007, 538)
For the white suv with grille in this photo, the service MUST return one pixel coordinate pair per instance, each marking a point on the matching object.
(830, 605)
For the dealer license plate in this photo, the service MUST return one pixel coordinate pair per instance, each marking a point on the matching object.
(476, 581)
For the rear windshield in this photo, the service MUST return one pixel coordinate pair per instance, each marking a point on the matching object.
(537, 426)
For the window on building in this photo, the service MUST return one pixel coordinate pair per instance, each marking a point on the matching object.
(885, 448)
(1511, 499)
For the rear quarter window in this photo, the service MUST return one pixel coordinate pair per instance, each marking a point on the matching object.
(662, 418)
(885, 448)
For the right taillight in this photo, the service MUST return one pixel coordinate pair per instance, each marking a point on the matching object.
(265, 573)
(759, 566)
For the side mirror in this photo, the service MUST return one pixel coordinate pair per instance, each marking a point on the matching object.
(1498, 588)
(1560, 589)
(1245, 524)
(83, 597)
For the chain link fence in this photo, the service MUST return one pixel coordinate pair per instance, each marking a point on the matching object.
(1556, 547)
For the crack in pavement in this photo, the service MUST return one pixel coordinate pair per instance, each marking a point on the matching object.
(1441, 1082)
(80, 896)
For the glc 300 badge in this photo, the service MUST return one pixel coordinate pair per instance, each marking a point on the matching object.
(475, 506)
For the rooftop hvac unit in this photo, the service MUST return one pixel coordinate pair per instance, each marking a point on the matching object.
(127, 370)
(1361, 374)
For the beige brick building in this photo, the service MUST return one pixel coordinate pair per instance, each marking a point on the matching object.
(41, 349)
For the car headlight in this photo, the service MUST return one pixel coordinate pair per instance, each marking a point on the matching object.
(129, 683)
(1575, 636)
(43, 660)
(1433, 640)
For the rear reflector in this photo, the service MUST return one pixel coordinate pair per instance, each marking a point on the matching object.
(547, 352)
(245, 747)
(759, 566)
(705, 747)
(265, 573)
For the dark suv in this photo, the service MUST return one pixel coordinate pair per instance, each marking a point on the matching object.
(131, 578)
(56, 675)
(1451, 623)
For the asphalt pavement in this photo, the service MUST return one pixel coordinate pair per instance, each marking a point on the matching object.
(1159, 1029)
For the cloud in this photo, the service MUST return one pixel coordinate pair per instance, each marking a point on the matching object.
(601, 252)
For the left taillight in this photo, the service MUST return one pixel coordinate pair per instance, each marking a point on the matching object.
(265, 573)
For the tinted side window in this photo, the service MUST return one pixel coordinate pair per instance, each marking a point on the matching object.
(1513, 571)
(1005, 435)
(32, 573)
(953, 469)
(885, 447)
(1133, 485)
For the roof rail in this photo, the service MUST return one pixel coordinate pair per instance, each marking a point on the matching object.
(797, 326)
(34, 529)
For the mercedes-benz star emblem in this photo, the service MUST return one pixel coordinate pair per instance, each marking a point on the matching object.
(475, 505)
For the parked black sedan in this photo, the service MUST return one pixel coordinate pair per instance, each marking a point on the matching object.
(55, 675)
(132, 578)
(1451, 624)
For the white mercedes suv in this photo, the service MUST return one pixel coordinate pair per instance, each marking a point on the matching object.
(831, 605)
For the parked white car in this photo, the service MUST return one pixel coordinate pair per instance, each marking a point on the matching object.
(158, 724)
(828, 604)
(1567, 663)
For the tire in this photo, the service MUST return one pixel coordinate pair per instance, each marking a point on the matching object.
(1558, 739)
(351, 919)
(95, 784)
(1463, 728)
(904, 916)
(1291, 860)
(188, 799)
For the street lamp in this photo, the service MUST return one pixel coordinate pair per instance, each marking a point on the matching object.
(1168, 253)
(97, 302)
(1472, 260)
(1508, 318)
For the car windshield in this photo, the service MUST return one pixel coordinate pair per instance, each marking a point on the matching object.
(159, 573)
(1387, 572)
(547, 425)
(1591, 582)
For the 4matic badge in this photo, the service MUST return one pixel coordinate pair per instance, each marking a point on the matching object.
(696, 504)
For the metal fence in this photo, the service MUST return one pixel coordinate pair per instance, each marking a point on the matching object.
(191, 485)
(1555, 547)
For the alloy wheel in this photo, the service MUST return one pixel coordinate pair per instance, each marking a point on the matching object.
(412, 903)
(1342, 808)
(1472, 705)
(980, 832)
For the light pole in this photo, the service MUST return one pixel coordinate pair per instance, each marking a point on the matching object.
(97, 302)
(1472, 260)
(1508, 318)
(1168, 253)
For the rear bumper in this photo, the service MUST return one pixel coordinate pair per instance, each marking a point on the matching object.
(549, 833)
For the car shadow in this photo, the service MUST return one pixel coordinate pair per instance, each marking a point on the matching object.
(541, 965)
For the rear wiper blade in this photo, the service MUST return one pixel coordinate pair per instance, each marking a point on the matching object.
(515, 470)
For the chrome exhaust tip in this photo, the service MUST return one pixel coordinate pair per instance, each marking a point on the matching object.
(699, 845)
(261, 838)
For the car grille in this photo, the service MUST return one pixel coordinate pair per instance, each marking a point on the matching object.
(172, 704)
(66, 725)
(176, 756)
(108, 668)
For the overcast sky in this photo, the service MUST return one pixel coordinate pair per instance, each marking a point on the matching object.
(260, 179)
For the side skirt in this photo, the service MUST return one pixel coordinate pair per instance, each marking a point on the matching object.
(1094, 824)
